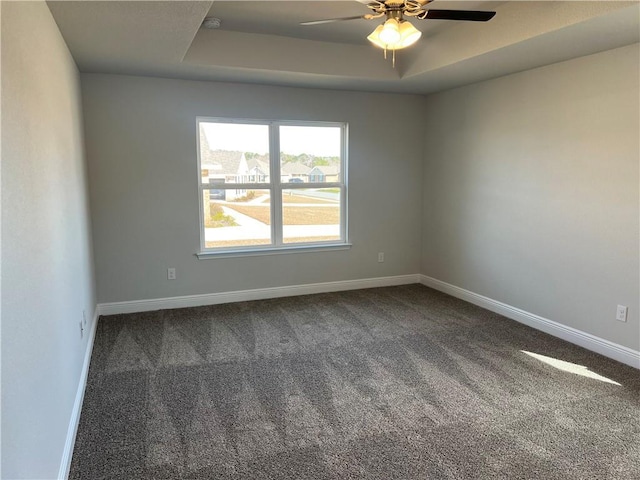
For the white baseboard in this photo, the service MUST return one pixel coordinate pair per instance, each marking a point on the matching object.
(599, 345)
(256, 294)
(67, 454)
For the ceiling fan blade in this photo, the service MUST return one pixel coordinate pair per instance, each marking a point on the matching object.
(468, 15)
(331, 20)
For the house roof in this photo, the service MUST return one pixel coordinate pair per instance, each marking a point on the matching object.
(258, 163)
(229, 161)
(221, 161)
(293, 168)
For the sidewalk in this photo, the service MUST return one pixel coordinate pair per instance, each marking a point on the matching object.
(249, 228)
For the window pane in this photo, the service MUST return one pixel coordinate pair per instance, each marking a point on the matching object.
(234, 153)
(311, 215)
(310, 154)
(236, 218)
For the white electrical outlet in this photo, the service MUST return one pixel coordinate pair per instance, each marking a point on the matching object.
(171, 273)
(380, 257)
(621, 313)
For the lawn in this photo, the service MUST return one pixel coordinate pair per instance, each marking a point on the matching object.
(303, 199)
(293, 215)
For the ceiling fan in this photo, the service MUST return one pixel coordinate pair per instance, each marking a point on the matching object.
(396, 32)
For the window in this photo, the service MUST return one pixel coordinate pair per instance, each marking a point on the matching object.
(271, 185)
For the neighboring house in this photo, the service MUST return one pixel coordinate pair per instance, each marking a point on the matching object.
(324, 173)
(292, 170)
(258, 169)
(224, 167)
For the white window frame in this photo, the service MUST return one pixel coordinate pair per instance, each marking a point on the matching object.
(275, 187)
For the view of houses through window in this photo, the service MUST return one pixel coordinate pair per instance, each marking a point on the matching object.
(271, 184)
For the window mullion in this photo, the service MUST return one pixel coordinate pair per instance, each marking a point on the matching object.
(276, 188)
(344, 179)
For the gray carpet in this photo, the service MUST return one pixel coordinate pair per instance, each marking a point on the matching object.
(387, 383)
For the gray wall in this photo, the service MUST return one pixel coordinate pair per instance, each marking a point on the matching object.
(141, 150)
(46, 255)
(531, 191)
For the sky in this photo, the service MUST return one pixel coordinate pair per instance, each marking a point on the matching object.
(318, 141)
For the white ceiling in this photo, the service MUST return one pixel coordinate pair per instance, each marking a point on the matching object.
(262, 41)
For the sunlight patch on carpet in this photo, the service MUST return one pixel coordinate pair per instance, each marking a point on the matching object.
(570, 367)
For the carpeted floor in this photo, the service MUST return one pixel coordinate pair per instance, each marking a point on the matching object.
(387, 383)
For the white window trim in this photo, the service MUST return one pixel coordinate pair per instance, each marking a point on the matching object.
(276, 187)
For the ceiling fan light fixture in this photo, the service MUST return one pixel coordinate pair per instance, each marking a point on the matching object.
(408, 35)
(390, 33)
(374, 37)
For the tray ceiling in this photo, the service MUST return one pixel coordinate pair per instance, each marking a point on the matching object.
(262, 42)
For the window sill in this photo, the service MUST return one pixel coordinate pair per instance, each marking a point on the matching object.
(272, 251)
